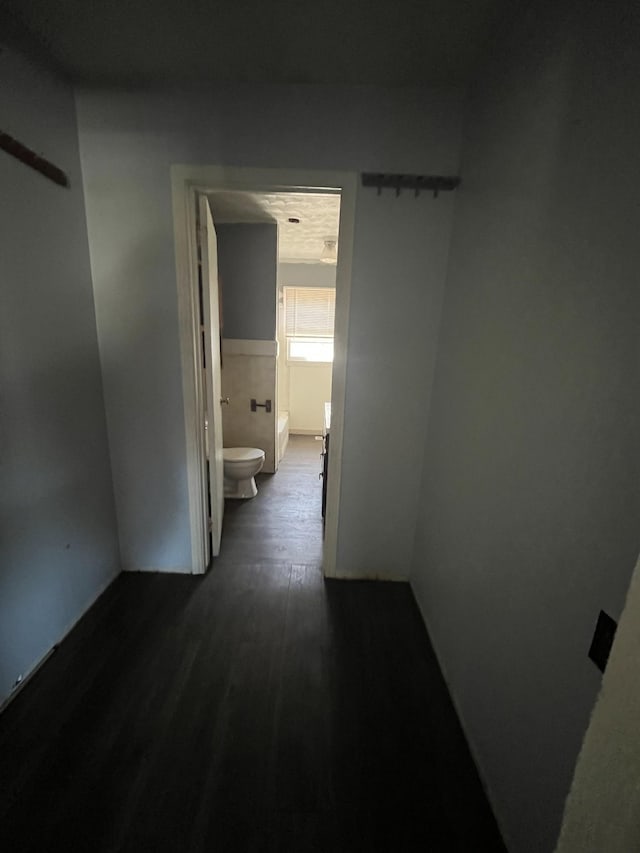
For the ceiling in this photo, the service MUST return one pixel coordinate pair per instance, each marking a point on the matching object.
(395, 42)
(319, 215)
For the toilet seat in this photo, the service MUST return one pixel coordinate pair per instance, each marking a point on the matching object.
(242, 454)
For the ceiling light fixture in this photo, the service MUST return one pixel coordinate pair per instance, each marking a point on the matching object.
(329, 253)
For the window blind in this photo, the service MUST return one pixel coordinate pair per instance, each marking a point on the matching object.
(309, 311)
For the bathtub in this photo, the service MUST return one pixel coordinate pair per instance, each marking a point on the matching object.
(283, 433)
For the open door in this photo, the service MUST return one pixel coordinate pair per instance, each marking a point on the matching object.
(214, 506)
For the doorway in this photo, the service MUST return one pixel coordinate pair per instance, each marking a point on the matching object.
(188, 184)
(277, 258)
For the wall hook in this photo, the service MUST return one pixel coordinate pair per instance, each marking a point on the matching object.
(417, 183)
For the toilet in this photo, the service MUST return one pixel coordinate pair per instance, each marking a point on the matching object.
(241, 464)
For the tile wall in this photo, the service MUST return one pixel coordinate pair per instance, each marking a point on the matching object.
(249, 370)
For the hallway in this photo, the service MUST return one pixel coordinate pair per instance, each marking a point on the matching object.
(259, 708)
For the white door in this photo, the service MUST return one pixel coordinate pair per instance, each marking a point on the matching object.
(212, 381)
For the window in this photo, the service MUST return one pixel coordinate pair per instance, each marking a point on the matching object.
(309, 313)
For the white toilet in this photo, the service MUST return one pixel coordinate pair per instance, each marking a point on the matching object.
(241, 464)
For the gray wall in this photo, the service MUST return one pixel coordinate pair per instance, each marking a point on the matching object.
(247, 265)
(531, 489)
(58, 545)
(396, 298)
(128, 143)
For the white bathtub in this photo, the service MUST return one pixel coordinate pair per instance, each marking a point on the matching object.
(283, 433)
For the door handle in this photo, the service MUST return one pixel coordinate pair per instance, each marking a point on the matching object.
(224, 400)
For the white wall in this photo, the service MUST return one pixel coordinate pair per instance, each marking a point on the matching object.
(128, 142)
(309, 390)
(531, 490)
(603, 806)
(397, 290)
(58, 542)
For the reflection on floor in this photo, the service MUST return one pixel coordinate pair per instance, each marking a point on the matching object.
(258, 708)
(283, 521)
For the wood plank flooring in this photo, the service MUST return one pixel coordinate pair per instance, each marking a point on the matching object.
(259, 708)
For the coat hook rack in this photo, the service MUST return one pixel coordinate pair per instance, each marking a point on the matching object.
(417, 183)
(30, 158)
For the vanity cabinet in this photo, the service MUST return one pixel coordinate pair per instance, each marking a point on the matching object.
(325, 454)
(325, 470)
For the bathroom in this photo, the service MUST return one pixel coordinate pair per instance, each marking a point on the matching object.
(277, 273)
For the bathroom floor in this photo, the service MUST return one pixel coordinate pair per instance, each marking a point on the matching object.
(283, 521)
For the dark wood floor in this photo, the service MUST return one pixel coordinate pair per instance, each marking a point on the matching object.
(259, 708)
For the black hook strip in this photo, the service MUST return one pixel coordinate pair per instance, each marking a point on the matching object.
(417, 183)
(30, 158)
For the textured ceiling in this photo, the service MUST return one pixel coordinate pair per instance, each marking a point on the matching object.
(319, 215)
(403, 42)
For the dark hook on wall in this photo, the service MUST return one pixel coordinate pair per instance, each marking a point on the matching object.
(30, 158)
(417, 183)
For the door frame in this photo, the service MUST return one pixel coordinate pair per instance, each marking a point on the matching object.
(186, 182)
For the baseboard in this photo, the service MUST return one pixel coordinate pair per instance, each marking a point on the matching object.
(174, 570)
(474, 755)
(342, 576)
(27, 678)
(305, 431)
(45, 657)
